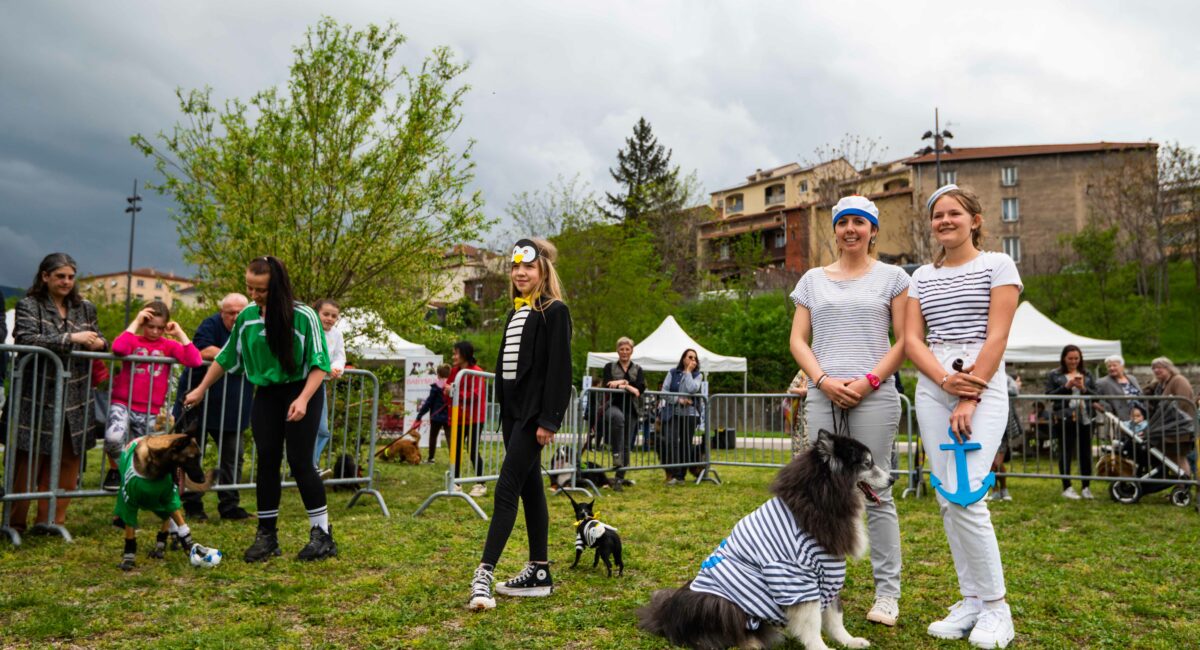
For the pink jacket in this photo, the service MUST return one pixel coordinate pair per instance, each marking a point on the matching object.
(133, 345)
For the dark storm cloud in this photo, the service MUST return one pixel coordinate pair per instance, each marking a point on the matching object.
(556, 87)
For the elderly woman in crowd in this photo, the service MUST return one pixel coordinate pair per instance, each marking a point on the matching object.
(52, 315)
(1117, 382)
(1169, 382)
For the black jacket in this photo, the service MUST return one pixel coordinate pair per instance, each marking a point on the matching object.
(543, 384)
(1056, 384)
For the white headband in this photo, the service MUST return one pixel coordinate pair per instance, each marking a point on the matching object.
(938, 194)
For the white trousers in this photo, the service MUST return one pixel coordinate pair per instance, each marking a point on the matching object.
(969, 530)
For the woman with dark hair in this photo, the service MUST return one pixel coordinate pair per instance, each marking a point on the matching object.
(680, 415)
(279, 345)
(472, 411)
(52, 315)
(1071, 419)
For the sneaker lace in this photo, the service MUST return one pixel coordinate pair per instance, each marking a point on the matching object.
(887, 604)
(482, 582)
(524, 575)
(989, 620)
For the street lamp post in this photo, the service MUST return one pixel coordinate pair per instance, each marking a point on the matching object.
(132, 211)
(939, 145)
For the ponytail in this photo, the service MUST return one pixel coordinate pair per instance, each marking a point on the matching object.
(280, 310)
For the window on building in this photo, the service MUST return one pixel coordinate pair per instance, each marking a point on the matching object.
(775, 194)
(478, 292)
(1012, 248)
(139, 296)
(1009, 210)
(114, 283)
(158, 284)
(141, 282)
(734, 203)
(780, 238)
(1008, 176)
(723, 251)
(803, 186)
(948, 177)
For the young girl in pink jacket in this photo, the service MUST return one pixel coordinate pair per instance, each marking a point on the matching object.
(139, 389)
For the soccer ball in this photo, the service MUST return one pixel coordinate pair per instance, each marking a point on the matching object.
(202, 556)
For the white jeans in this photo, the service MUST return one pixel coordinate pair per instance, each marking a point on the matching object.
(969, 530)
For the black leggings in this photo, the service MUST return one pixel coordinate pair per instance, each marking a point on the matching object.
(268, 421)
(471, 431)
(434, 429)
(1075, 440)
(520, 476)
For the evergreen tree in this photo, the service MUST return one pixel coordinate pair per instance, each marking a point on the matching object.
(644, 171)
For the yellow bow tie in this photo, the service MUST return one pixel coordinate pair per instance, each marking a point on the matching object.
(523, 302)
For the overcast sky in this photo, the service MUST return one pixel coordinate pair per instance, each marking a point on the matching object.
(557, 86)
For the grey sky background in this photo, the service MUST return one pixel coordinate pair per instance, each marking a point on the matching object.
(557, 86)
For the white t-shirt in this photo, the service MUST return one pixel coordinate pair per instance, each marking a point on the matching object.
(955, 300)
(337, 348)
(850, 318)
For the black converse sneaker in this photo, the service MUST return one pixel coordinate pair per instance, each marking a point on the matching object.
(533, 580)
(481, 590)
(320, 545)
(266, 544)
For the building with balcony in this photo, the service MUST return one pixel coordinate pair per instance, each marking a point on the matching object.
(146, 284)
(1032, 195)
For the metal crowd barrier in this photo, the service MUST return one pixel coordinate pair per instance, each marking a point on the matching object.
(1062, 433)
(27, 370)
(477, 443)
(353, 408)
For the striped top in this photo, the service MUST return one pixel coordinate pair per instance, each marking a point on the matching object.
(850, 318)
(767, 563)
(955, 300)
(512, 343)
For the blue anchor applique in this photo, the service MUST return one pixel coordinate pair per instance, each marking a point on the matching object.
(964, 496)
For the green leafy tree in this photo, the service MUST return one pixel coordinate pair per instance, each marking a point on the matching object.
(347, 173)
(644, 172)
(612, 284)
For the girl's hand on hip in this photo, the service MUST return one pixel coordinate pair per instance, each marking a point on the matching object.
(960, 419)
(297, 410)
(544, 436)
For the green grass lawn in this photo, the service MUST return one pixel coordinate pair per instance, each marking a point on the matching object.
(1080, 575)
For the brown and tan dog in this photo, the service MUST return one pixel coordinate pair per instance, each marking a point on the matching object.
(407, 448)
(148, 468)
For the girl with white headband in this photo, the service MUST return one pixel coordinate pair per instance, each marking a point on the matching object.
(840, 338)
(960, 311)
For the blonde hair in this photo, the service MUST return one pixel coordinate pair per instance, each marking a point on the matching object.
(624, 340)
(550, 287)
(969, 202)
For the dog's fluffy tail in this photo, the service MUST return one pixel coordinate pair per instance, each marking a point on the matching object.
(698, 620)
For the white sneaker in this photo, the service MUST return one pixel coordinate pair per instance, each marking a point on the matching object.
(481, 590)
(959, 623)
(885, 611)
(1005, 495)
(1087, 493)
(480, 489)
(994, 628)
(1070, 493)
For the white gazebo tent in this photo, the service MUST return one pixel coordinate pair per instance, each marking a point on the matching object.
(661, 350)
(387, 346)
(1034, 338)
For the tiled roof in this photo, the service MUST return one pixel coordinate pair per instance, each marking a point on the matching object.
(979, 153)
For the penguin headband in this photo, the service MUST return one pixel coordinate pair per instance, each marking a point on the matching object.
(524, 251)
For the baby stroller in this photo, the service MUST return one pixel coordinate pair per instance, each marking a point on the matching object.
(1141, 455)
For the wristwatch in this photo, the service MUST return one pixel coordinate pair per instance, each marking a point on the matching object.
(873, 380)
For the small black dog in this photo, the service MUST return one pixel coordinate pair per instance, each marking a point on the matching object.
(592, 533)
(561, 467)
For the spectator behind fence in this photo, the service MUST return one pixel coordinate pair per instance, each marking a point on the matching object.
(139, 389)
(1137, 419)
(52, 315)
(277, 344)
(621, 416)
(226, 414)
(472, 411)
(680, 416)
(438, 409)
(1004, 453)
(840, 337)
(1169, 382)
(1071, 421)
(329, 312)
(1116, 382)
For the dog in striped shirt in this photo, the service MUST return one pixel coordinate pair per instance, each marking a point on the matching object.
(590, 532)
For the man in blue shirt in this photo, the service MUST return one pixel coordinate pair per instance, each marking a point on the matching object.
(225, 411)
